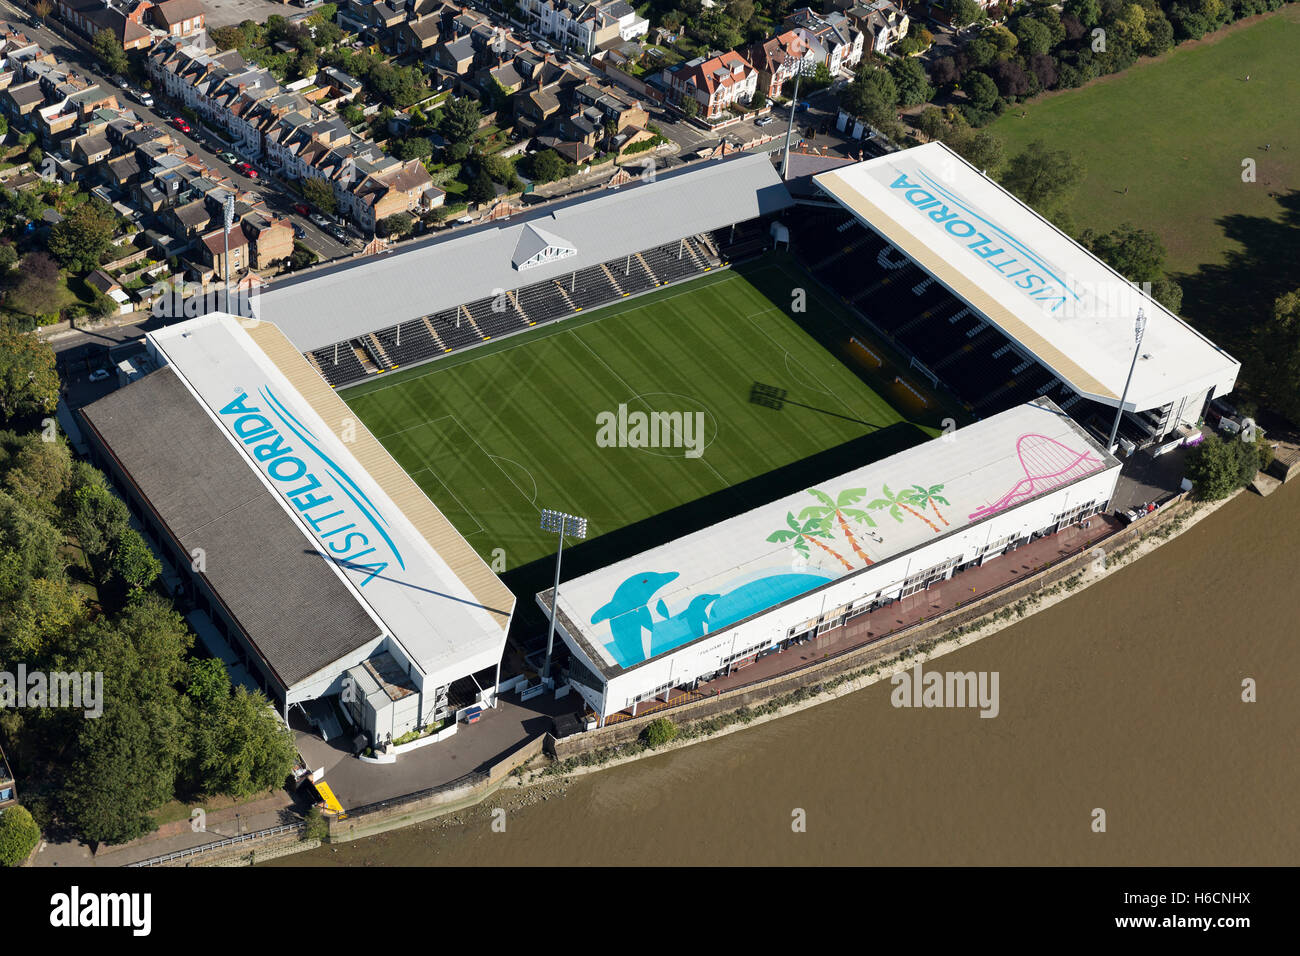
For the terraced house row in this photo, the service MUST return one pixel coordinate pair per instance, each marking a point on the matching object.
(292, 132)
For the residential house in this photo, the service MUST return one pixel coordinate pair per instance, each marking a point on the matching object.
(834, 38)
(586, 27)
(178, 18)
(125, 20)
(780, 60)
(715, 83)
(882, 22)
(270, 238)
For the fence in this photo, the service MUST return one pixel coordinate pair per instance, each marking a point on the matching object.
(242, 840)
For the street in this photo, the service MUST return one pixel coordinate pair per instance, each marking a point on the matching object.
(202, 142)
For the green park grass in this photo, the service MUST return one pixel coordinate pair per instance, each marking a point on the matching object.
(500, 432)
(1174, 131)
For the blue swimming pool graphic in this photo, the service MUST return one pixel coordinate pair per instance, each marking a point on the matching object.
(631, 619)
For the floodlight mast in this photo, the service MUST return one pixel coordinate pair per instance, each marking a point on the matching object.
(562, 524)
(1139, 329)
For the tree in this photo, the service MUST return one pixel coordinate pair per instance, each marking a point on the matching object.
(689, 106)
(320, 194)
(944, 72)
(242, 747)
(207, 683)
(1033, 36)
(481, 188)
(302, 257)
(1137, 254)
(547, 166)
(37, 472)
(964, 12)
(396, 226)
(981, 90)
(911, 81)
(97, 519)
(1218, 467)
(1087, 12)
(19, 835)
(110, 52)
(1283, 338)
(758, 100)
(982, 150)
(29, 383)
(133, 563)
(1041, 176)
(658, 732)
(460, 120)
(83, 235)
(872, 96)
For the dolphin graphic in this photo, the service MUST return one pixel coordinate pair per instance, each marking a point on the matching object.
(628, 611)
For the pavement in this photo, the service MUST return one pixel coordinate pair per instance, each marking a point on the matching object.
(500, 732)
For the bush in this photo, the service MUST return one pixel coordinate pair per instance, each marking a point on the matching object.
(18, 835)
(658, 732)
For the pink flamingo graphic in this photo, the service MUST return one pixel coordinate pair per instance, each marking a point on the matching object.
(1048, 464)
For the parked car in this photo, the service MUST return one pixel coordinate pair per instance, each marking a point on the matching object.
(319, 220)
(765, 121)
(121, 82)
(99, 374)
(301, 208)
(339, 233)
(247, 169)
(229, 157)
(299, 232)
(180, 124)
(143, 98)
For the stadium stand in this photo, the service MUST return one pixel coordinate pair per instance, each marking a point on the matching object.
(506, 312)
(903, 304)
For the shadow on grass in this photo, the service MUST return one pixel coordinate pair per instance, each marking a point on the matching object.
(528, 580)
(1232, 303)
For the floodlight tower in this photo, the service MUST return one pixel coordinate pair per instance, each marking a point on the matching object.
(229, 215)
(1139, 329)
(562, 524)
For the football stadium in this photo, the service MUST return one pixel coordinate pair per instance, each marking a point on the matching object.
(894, 371)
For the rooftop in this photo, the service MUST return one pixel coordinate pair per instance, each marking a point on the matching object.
(717, 577)
(335, 304)
(1070, 310)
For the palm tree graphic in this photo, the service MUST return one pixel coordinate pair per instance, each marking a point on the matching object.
(840, 509)
(897, 504)
(923, 496)
(807, 533)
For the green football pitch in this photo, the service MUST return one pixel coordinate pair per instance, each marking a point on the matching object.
(497, 433)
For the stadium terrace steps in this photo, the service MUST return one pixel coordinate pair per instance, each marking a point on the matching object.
(971, 356)
(472, 323)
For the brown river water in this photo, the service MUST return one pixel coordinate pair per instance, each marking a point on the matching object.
(1125, 697)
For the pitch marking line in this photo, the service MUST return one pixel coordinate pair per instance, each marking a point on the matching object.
(479, 527)
(632, 307)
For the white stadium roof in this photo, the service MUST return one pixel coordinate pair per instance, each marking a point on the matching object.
(1062, 304)
(711, 580)
(333, 305)
(344, 509)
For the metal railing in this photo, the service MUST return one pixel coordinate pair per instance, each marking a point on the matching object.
(219, 844)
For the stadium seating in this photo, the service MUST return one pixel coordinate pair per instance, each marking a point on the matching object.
(901, 302)
(503, 313)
